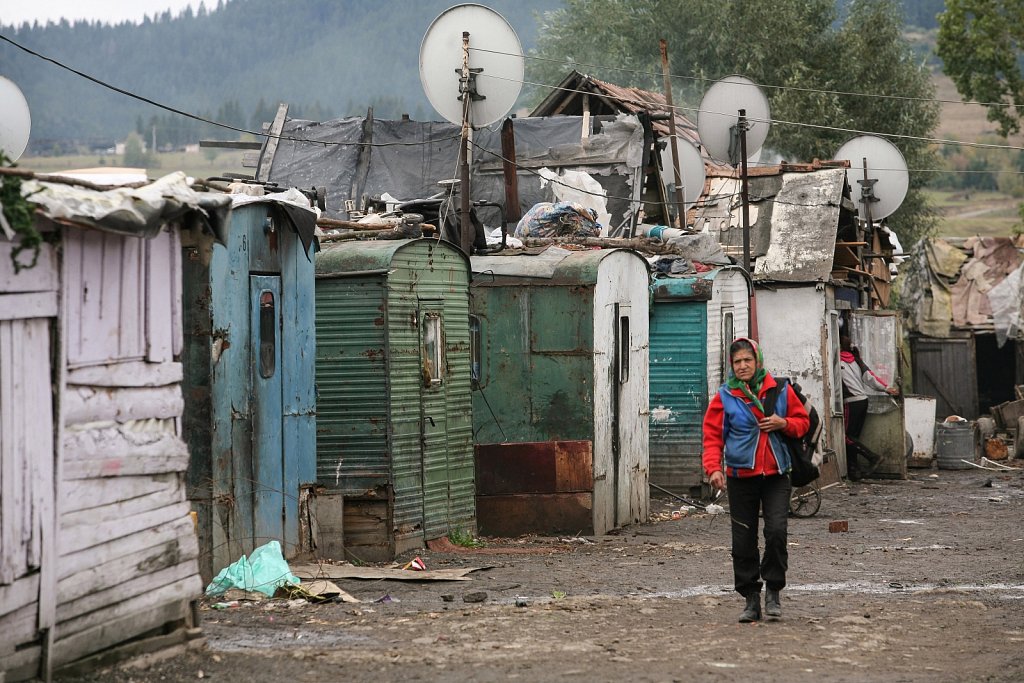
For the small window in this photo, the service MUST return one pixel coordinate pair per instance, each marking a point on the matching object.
(268, 335)
(431, 349)
(728, 334)
(475, 352)
(624, 349)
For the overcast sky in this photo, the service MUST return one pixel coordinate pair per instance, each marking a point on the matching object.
(110, 11)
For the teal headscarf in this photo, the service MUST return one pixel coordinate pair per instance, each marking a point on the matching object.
(752, 388)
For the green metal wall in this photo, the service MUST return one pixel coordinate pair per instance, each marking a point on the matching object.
(538, 367)
(352, 387)
(679, 392)
(378, 425)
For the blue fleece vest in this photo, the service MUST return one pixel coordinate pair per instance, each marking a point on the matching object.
(740, 432)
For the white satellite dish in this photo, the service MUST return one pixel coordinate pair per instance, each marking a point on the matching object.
(691, 170)
(15, 120)
(502, 66)
(719, 114)
(885, 163)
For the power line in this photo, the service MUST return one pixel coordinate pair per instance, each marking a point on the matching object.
(704, 79)
(837, 129)
(218, 124)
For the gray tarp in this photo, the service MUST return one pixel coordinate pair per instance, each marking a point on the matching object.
(409, 158)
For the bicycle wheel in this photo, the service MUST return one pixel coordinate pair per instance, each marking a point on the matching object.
(805, 501)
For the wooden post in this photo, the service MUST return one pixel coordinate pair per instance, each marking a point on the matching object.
(680, 203)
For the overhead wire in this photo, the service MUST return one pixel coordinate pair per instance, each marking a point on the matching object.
(704, 79)
(196, 117)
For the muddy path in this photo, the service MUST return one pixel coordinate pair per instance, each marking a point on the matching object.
(927, 585)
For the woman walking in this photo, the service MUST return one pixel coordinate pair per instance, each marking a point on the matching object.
(744, 454)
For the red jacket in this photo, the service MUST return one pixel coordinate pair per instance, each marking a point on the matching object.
(797, 423)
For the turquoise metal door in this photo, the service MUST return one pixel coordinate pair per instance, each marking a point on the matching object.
(268, 490)
(679, 393)
(433, 420)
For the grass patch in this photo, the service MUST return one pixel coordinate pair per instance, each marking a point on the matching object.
(465, 539)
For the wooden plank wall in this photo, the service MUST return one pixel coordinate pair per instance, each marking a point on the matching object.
(28, 305)
(126, 545)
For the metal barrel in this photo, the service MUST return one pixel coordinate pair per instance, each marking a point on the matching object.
(954, 443)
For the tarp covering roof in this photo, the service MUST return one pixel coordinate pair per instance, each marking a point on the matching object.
(135, 211)
(971, 284)
(357, 157)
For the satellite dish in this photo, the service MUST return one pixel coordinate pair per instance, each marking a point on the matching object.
(691, 170)
(502, 67)
(15, 120)
(885, 164)
(719, 114)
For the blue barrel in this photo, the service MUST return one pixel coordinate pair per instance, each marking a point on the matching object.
(954, 443)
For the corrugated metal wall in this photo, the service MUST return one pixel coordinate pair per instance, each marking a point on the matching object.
(439, 276)
(679, 392)
(352, 387)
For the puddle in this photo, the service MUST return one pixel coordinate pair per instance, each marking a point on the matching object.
(237, 639)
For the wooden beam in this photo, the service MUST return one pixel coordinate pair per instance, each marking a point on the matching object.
(231, 144)
(267, 157)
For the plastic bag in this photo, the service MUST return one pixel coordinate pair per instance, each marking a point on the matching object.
(263, 571)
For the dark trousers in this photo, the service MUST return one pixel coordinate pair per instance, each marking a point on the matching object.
(748, 497)
(855, 413)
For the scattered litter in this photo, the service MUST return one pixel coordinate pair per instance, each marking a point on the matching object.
(264, 570)
(329, 571)
(225, 605)
(416, 565)
(714, 509)
(576, 539)
(521, 602)
(995, 499)
(475, 596)
(902, 521)
(839, 526)
(386, 598)
(297, 602)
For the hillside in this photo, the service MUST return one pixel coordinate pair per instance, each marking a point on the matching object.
(325, 57)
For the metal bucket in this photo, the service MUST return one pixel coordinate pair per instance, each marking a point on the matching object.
(954, 443)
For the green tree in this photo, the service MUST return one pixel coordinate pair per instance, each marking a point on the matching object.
(795, 47)
(980, 44)
(135, 151)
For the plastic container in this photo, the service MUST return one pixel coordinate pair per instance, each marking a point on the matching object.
(954, 443)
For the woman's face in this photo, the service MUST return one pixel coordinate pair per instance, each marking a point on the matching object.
(744, 365)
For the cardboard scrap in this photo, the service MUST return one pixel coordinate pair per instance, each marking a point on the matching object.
(332, 571)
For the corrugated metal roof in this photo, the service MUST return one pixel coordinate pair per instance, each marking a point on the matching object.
(342, 259)
(565, 98)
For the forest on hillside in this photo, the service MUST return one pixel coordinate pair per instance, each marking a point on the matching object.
(234, 61)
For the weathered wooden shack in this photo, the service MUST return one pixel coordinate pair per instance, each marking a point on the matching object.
(809, 281)
(97, 547)
(394, 425)
(693, 321)
(249, 373)
(561, 391)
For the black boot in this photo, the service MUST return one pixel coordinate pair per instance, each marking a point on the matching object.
(874, 460)
(772, 607)
(752, 612)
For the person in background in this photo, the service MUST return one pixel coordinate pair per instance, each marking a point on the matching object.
(744, 455)
(858, 382)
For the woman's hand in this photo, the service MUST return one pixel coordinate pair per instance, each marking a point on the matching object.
(771, 424)
(717, 480)
(893, 391)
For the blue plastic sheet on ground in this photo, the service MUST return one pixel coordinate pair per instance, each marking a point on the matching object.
(263, 571)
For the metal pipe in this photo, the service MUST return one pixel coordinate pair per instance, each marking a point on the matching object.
(466, 234)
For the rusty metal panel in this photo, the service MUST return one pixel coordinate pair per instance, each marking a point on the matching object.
(537, 467)
(946, 369)
(545, 513)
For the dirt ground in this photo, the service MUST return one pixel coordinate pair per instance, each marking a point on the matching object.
(927, 585)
